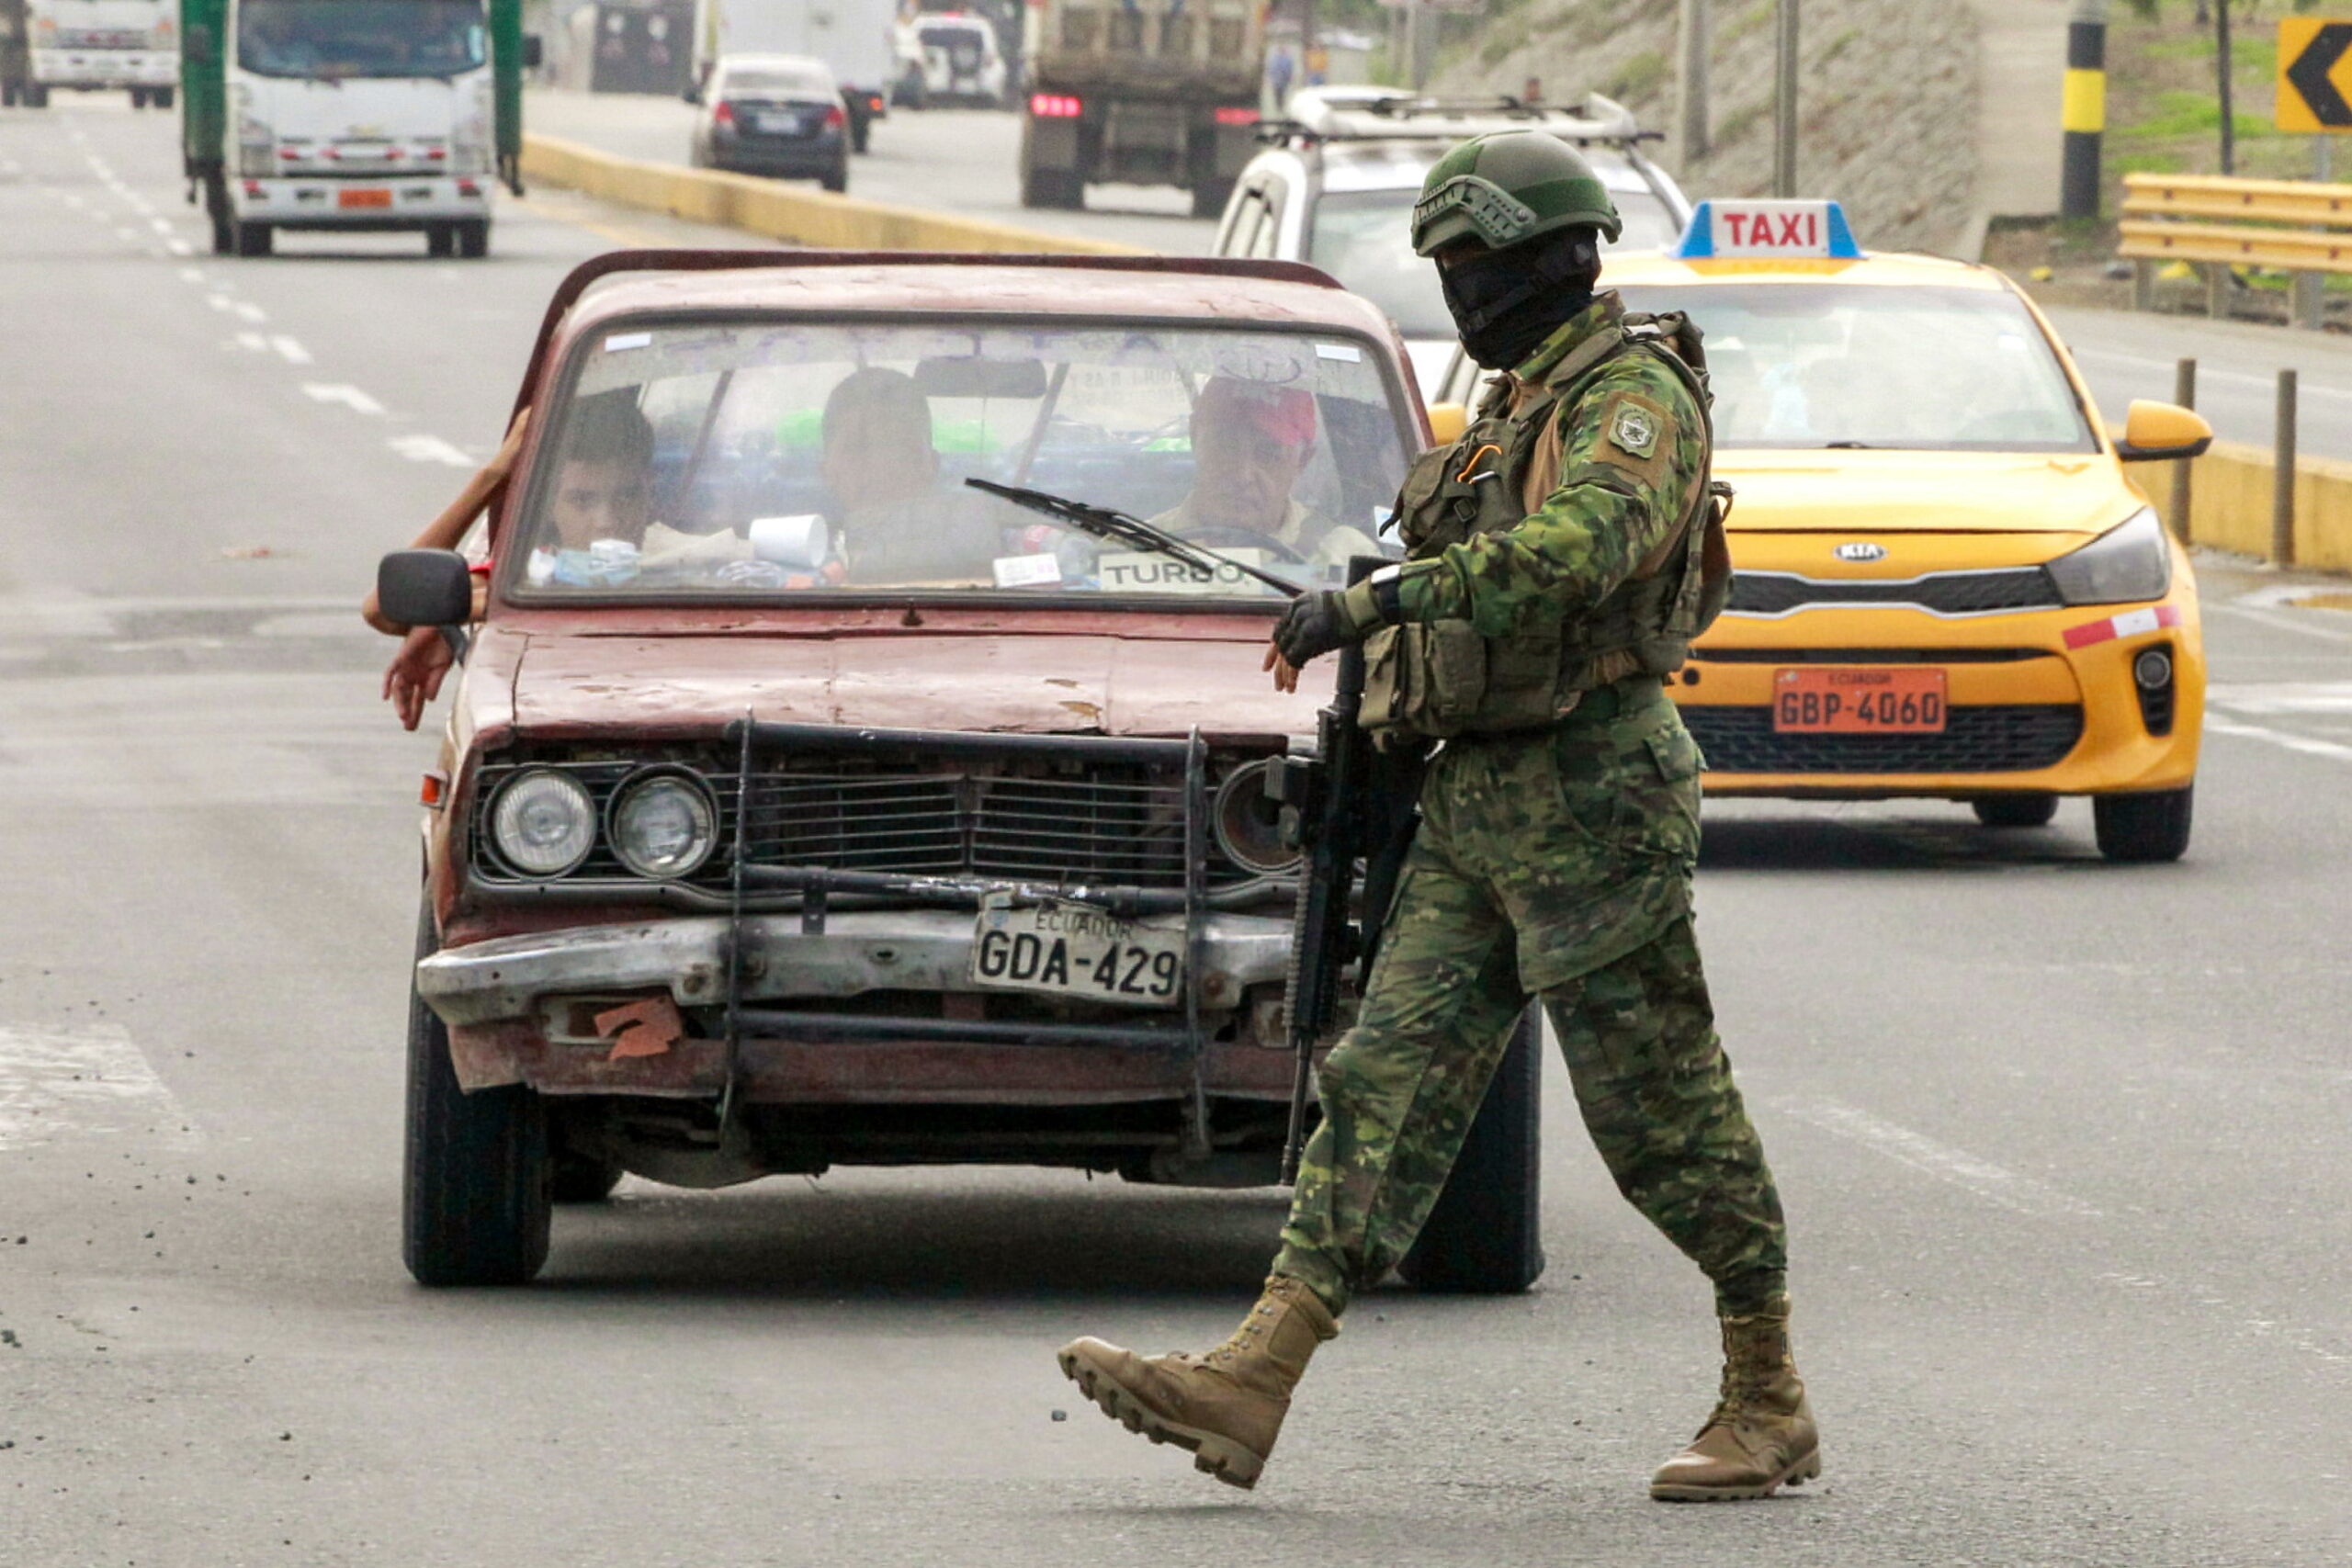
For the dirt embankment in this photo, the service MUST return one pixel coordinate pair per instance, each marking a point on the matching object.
(1887, 105)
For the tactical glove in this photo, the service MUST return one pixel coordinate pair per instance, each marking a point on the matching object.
(1315, 623)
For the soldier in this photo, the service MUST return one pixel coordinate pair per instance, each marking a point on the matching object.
(1562, 555)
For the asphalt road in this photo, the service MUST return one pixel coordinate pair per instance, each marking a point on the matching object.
(2063, 1143)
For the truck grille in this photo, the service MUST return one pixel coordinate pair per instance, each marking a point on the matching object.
(1035, 821)
(1992, 738)
(1941, 593)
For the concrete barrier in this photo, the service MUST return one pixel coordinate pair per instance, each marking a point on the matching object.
(797, 215)
(2229, 503)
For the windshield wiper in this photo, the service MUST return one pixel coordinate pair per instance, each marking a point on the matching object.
(1133, 532)
(1846, 446)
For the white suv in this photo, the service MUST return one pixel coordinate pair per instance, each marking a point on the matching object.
(1337, 181)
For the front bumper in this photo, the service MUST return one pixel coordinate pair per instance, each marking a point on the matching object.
(2041, 702)
(391, 202)
(104, 68)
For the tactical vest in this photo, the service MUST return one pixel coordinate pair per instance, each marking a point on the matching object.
(1436, 679)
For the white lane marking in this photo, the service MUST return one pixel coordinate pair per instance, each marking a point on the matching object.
(2287, 623)
(191, 275)
(220, 302)
(1994, 1184)
(430, 449)
(338, 393)
(253, 341)
(2307, 745)
(179, 247)
(56, 1084)
(2246, 1322)
(160, 225)
(2205, 372)
(290, 350)
(251, 312)
(2284, 696)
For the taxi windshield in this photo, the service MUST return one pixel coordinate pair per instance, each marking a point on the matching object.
(1365, 238)
(770, 457)
(1818, 365)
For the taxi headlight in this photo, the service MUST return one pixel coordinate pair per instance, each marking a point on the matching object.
(2131, 561)
(543, 822)
(1249, 822)
(665, 826)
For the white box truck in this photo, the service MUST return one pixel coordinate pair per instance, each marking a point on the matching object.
(89, 46)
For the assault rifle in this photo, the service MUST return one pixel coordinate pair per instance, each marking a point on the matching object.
(1350, 802)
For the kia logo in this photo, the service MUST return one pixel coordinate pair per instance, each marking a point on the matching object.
(1859, 552)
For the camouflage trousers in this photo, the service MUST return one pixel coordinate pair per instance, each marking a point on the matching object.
(1557, 865)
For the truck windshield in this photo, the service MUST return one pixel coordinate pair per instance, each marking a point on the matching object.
(361, 37)
(1365, 238)
(783, 458)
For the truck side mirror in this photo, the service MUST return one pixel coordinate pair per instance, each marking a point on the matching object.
(425, 587)
(200, 43)
(534, 51)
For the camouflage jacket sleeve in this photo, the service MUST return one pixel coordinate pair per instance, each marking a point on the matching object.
(1630, 448)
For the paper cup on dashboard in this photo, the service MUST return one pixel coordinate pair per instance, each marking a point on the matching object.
(801, 540)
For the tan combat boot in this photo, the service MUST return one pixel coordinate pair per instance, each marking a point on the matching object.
(1761, 1433)
(1228, 1405)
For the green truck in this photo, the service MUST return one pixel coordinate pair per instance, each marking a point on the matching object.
(352, 114)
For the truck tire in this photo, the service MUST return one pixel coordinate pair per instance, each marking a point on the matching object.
(160, 98)
(2144, 830)
(36, 95)
(2016, 810)
(1210, 197)
(1056, 188)
(1486, 1236)
(7, 95)
(138, 97)
(251, 238)
(473, 238)
(477, 1183)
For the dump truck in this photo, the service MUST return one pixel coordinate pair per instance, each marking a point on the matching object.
(1140, 92)
(332, 115)
(88, 46)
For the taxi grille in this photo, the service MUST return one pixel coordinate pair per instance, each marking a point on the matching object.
(1941, 593)
(1992, 738)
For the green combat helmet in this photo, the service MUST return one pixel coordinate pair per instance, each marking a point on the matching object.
(1507, 186)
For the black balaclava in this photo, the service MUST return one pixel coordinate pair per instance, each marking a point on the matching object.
(1506, 302)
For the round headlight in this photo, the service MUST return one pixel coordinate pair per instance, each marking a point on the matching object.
(665, 826)
(543, 822)
(1249, 822)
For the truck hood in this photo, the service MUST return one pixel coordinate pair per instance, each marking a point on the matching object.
(364, 109)
(1950, 492)
(1039, 684)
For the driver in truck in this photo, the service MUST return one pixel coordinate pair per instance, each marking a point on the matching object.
(1250, 444)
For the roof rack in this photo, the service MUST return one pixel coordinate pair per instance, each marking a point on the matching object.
(1372, 114)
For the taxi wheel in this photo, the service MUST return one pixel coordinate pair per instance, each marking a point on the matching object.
(477, 1183)
(2016, 810)
(1485, 1234)
(2141, 829)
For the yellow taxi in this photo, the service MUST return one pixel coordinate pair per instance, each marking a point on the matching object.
(1948, 585)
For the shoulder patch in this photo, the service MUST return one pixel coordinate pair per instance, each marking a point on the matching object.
(1633, 429)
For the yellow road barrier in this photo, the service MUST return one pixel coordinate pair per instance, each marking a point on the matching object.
(2220, 222)
(2230, 497)
(795, 215)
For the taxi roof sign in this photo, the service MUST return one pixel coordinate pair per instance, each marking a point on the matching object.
(1774, 229)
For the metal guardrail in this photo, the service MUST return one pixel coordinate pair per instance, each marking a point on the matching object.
(2219, 221)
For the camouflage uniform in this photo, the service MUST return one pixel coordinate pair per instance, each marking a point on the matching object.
(1554, 862)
